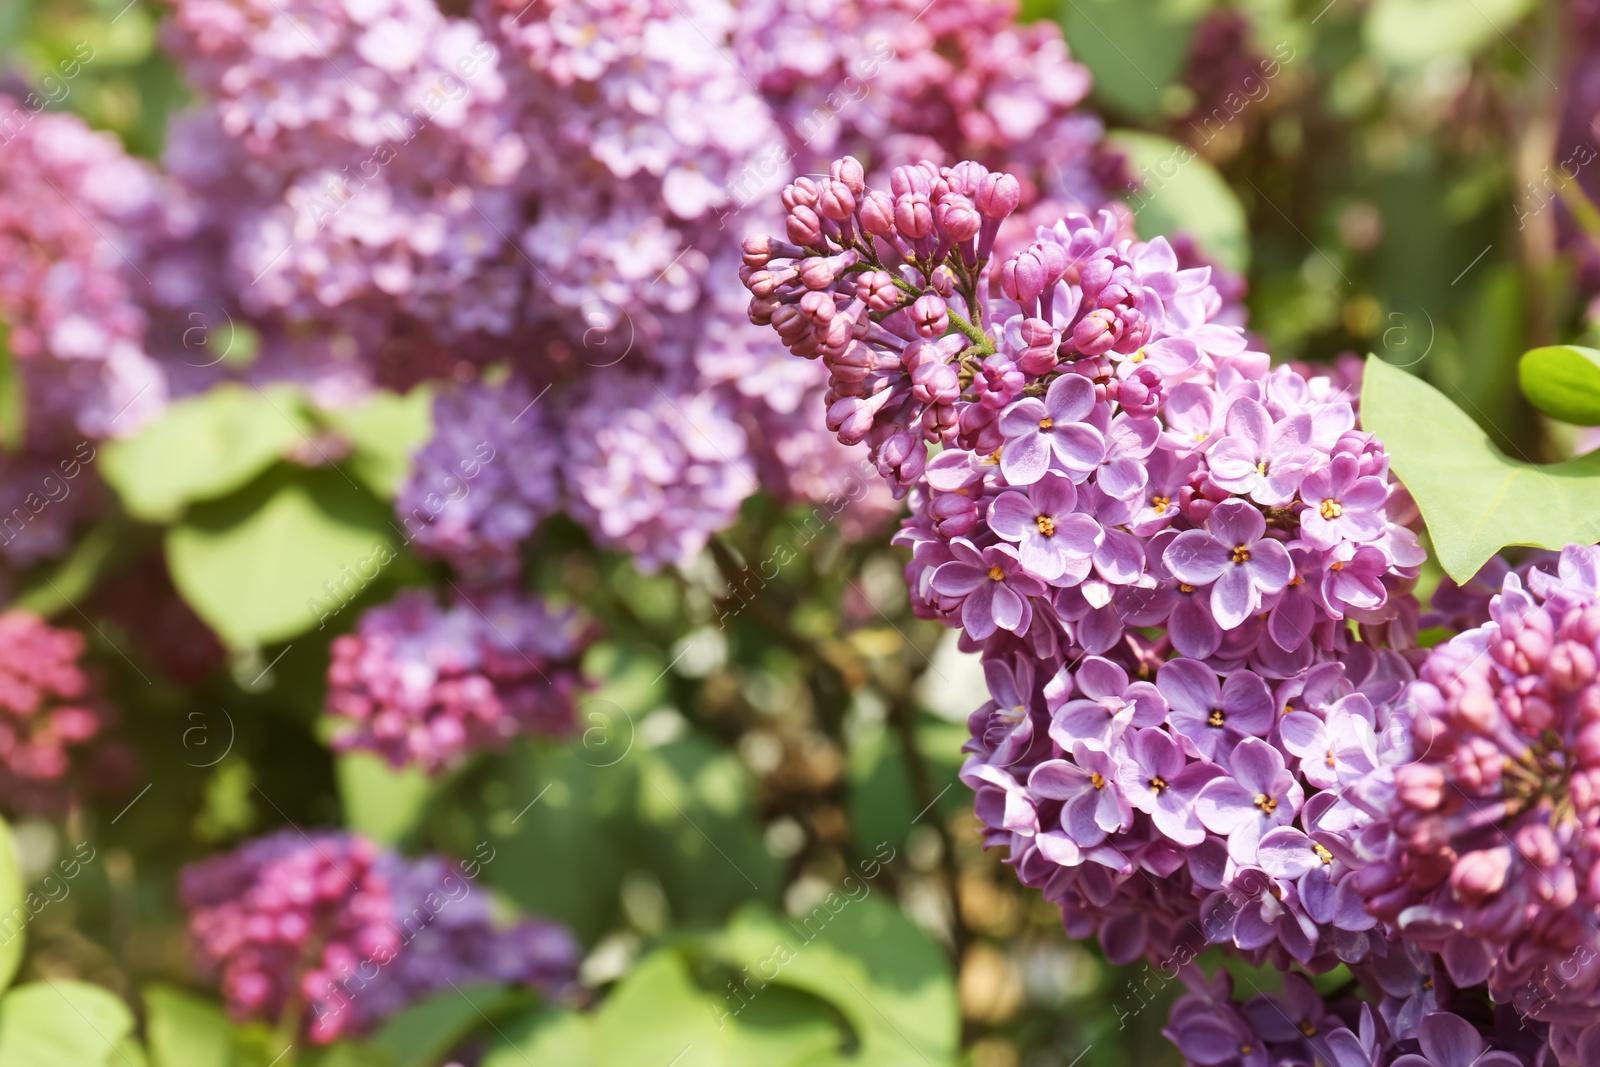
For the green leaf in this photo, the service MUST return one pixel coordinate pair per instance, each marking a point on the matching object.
(278, 558)
(185, 1030)
(347, 1054)
(659, 1014)
(74, 578)
(381, 802)
(860, 953)
(63, 1023)
(545, 1037)
(701, 839)
(1474, 499)
(203, 447)
(1563, 381)
(14, 914)
(425, 1032)
(1183, 193)
(385, 432)
(1413, 33)
(1134, 48)
(13, 405)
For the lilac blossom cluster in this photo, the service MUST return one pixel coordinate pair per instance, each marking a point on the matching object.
(427, 686)
(1299, 1026)
(1486, 845)
(1111, 460)
(325, 934)
(390, 194)
(47, 715)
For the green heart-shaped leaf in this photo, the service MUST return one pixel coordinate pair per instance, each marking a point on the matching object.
(1475, 499)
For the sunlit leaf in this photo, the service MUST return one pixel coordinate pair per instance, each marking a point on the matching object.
(203, 447)
(1475, 500)
(185, 1030)
(270, 562)
(1182, 193)
(62, 1023)
(384, 431)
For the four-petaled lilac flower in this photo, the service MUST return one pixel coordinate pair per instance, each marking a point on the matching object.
(1341, 505)
(1210, 718)
(1258, 795)
(1110, 705)
(1121, 470)
(1261, 458)
(1093, 804)
(1156, 778)
(992, 585)
(1039, 431)
(1053, 539)
(1233, 553)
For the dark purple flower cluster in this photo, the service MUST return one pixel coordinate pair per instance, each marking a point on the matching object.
(46, 714)
(1489, 835)
(428, 686)
(325, 934)
(1299, 1027)
(1111, 460)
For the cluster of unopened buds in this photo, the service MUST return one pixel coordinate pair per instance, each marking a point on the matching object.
(1189, 575)
(45, 710)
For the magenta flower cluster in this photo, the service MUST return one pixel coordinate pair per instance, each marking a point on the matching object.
(428, 686)
(325, 934)
(1487, 849)
(1091, 456)
(47, 715)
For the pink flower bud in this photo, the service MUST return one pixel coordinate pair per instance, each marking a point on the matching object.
(913, 215)
(930, 315)
(804, 226)
(877, 214)
(1039, 356)
(1420, 786)
(1538, 845)
(802, 192)
(816, 272)
(954, 514)
(876, 289)
(817, 307)
(838, 201)
(998, 195)
(943, 281)
(957, 218)
(1481, 874)
(935, 383)
(849, 171)
(1096, 332)
(965, 177)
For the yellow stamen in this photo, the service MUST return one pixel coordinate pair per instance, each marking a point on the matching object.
(1266, 804)
(996, 573)
(1322, 853)
(1157, 784)
(1161, 503)
(1047, 424)
(1331, 509)
(1216, 718)
(1241, 553)
(1097, 780)
(1046, 524)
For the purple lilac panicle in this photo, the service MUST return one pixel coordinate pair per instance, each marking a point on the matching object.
(1112, 456)
(428, 686)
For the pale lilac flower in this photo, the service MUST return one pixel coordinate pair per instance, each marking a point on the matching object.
(1093, 803)
(1262, 458)
(1053, 539)
(1341, 504)
(1039, 432)
(1232, 552)
(1156, 778)
(1213, 718)
(1258, 795)
(1109, 705)
(992, 587)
